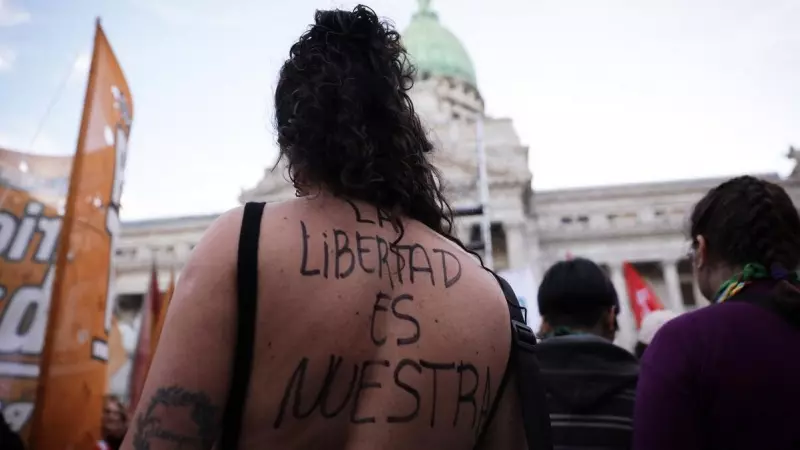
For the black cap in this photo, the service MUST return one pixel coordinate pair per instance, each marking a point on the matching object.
(575, 285)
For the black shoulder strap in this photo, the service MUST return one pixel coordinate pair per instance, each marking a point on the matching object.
(247, 301)
(535, 413)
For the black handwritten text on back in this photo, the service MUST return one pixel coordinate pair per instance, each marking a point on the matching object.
(339, 254)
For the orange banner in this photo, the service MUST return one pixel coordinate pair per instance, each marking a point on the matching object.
(33, 189)
(73, 372)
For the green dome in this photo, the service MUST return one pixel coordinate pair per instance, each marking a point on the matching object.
(434, 50)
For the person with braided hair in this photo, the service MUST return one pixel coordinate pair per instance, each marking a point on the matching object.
(726, 376)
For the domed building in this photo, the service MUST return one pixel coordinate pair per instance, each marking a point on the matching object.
(641, 224)
(447, 98)
(434, 50)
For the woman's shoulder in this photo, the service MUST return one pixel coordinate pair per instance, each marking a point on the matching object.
(706, 327)
(701, 321)
(688, 322)
(679, 345)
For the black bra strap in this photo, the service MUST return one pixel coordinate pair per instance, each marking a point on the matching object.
(247, 301)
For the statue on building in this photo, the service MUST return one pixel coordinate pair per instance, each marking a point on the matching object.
(794, 155)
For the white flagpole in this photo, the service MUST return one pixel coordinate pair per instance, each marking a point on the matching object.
(483, 187)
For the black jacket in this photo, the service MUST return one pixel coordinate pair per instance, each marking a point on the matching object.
(591, 387)
(9, 440)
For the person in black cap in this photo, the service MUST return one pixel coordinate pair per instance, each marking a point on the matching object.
(590, 382)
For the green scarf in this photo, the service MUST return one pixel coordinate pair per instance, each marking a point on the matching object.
(752, 272)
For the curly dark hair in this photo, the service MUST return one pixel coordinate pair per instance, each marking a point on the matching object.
(749, 220)
(345, 120)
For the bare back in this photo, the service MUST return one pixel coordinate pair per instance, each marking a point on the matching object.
(362, 341)
(365, 344)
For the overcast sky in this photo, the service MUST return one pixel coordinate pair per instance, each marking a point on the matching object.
(603, 91)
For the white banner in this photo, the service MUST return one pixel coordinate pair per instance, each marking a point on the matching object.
(526, 288)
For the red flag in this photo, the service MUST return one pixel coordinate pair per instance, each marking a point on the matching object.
(643, 299)
(141, 360)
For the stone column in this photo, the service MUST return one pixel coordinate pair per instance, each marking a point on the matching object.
(516, 247)
(533, 252)
(673, 282)
(626, 336)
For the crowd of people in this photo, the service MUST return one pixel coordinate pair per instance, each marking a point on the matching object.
(351, 317)
(720, 377)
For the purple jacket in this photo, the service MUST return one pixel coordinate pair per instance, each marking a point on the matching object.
(723, 377)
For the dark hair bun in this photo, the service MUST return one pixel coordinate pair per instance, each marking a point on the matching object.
(360, 24)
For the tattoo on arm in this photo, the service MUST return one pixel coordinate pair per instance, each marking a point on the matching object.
(178, 417)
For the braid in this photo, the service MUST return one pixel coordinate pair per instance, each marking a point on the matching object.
(747, 220)
(775, 235)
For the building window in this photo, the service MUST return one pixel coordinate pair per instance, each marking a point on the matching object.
(130, 302)
(125, 252)
(499, 249)
(475, 238)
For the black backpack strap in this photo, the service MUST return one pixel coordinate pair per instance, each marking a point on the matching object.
(535, 412)
(247, 301)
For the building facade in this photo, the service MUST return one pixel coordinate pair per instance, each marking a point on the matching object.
(641, 223)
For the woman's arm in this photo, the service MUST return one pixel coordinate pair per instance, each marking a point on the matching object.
(187, 385)
(668, 406)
